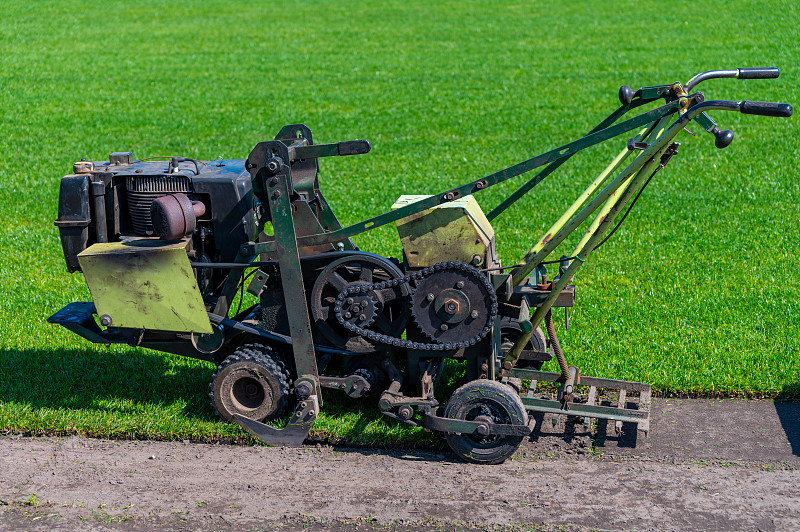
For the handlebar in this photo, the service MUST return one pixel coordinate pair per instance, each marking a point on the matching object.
(740, 73)
(781, 110)
(759, 73)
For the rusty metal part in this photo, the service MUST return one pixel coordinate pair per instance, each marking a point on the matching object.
(551, 333)
(252, 382)
(175, 216)
(417, 276)
(627, 409)
(295, 431)
(356, 385)
(83, 167)
(458, 294)
(536, 296)
(381, 309)
(567, 387)
(457, 230)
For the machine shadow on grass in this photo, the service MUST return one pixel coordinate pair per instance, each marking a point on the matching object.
(789, 414)
(131, 381)
(85, 378)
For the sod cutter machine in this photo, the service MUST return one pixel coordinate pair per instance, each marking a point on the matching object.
(168, 245)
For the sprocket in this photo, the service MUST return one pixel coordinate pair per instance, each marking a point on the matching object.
(454, 304)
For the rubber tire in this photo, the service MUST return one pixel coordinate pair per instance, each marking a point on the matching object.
(501, 399)
(263, 367)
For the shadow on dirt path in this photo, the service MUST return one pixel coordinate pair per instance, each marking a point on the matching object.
(789, 415)
(711, 429)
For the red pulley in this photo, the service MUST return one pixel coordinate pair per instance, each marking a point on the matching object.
(174, 216)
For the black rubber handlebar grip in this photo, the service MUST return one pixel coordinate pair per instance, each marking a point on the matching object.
(759, 73)
(354, 147)
(783, 110)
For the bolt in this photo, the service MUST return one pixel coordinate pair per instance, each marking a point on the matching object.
(349, 300)
(429, 297)
(405, 412)
(362, 317)
(273, 165)
(482, 429)
(303, 404)
(347, 315)
(444, 327)
(460, 285)
(449, 196)
(303, 390)
(476, 260)
(106, 320)
(451, 306)
(273, 181)
(474, 315)
(276, 194)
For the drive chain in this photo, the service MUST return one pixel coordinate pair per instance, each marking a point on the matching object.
(416, 276)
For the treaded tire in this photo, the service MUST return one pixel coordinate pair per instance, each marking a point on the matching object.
(253, 381)
(486, 399)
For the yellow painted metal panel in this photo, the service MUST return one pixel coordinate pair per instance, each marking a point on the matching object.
(457, 230)
(145, 284)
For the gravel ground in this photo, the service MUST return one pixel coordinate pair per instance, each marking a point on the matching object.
(706, 465)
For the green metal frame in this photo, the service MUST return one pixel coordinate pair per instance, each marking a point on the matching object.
(271, 171)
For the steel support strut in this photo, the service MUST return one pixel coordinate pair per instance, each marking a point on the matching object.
(269, 162)
(556, 154)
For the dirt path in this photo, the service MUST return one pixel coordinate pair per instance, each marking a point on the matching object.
(707, 465)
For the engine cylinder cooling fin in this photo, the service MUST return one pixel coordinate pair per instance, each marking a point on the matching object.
(143, 190)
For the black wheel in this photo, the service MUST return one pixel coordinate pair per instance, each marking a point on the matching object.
(253, 381)
(384, 311)
(491, 402)
(510, 331)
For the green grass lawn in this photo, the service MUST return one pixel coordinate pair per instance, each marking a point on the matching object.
(697, 293)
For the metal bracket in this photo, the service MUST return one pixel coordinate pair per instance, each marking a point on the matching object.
(352, 385)
(295, 431)
(444, 424)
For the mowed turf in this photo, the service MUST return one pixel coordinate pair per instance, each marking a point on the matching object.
(697, 293)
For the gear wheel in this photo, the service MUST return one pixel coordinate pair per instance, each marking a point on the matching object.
(253, 381)
(453, 304)
(360, 310)
(381, 308)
